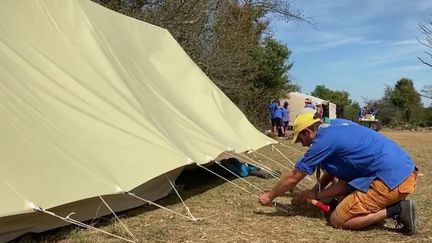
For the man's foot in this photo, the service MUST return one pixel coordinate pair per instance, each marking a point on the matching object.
(407, 217)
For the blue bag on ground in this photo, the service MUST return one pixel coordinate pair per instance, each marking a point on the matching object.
(239, 168)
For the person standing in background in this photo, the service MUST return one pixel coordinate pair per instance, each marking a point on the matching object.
(320, 110)
(308, 104)
(278, 117)
(286, 117)
(272, 108)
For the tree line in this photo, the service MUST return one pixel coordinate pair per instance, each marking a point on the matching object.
(400, 106)
(231, 41)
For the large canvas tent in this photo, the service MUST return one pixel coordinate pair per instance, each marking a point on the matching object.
(96, 103)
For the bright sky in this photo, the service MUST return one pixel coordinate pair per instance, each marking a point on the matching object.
(357, 45)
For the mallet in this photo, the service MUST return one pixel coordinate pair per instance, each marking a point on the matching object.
(324, 207)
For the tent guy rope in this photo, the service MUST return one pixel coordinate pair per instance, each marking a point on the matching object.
(159, 206)
(184, 204)
(283, 155)
(272, 160)
(288, 160)
(250, 184)
(299, 151)
(232, 183)
(78, 223)
(115, 215)
(265, 168)
(278, 206)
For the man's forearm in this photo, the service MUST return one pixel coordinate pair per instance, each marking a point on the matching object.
(287, 183)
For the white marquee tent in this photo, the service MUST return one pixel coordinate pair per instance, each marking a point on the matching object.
(94, 103)
(296, 102)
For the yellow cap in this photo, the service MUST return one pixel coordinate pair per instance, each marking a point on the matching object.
(302, 122)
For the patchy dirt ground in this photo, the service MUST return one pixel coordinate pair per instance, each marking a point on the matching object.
(232, 215)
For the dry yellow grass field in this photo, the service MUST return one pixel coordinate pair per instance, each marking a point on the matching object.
(232, 215)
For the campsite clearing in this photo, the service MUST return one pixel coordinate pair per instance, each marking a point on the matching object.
(232, 215)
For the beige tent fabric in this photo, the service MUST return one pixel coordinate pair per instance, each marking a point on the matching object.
(93, 103)
(296, 105)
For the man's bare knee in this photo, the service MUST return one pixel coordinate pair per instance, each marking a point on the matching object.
(335, 221)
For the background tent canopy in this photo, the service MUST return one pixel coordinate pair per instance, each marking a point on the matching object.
(93, 102)
(296, 102)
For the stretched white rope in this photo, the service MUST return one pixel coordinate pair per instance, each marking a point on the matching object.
(277, 205)
(184, 204)
(97, 210)
(265, 168)
(252, 153)
(73, 221)
(236, 155)
(115, 215)
(299, 151)
(278, 163)
(214, 173)
(250, 184)
(272, 160)
(284, 155)
(159, 206)
(308, 177)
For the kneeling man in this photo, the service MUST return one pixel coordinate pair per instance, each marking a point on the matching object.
(375, 174)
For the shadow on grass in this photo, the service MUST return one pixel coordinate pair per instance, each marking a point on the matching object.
(289, 210)
(192, 181)
(381, 226)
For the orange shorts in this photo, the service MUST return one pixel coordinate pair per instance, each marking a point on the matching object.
(378, 196)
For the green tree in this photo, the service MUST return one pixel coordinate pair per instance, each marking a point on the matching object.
(230, 41)
(428, 117)
(272, 65)
(401, 105)
(408, 100)
(271, 60)
(389, 114)
(351, 111)
(340, 98)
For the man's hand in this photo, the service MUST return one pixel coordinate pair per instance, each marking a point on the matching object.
(301, 198)
(265, 199)
(286, 183)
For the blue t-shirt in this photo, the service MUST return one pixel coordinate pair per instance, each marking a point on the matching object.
(279, 113)
(362, 113)
(272, 108)
(357, 155)
(341, 122)
(285, 114)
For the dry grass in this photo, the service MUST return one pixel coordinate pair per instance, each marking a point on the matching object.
(231, 215)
